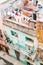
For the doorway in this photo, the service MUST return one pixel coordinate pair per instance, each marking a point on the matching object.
(17, 54)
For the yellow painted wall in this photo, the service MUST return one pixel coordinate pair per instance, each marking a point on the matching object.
(40, 32)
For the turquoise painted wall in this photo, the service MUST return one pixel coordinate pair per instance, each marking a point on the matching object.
(20, 43)
(19, 40)
(21, 37)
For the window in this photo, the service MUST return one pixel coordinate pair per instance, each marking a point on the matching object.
(1, 34)
(8, 39)
(29, 39)
(41, 64)
(14, 33)
(29, 43)
(24, 18)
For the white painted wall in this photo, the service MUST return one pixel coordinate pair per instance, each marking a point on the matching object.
(40, 0)
(1, 1)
